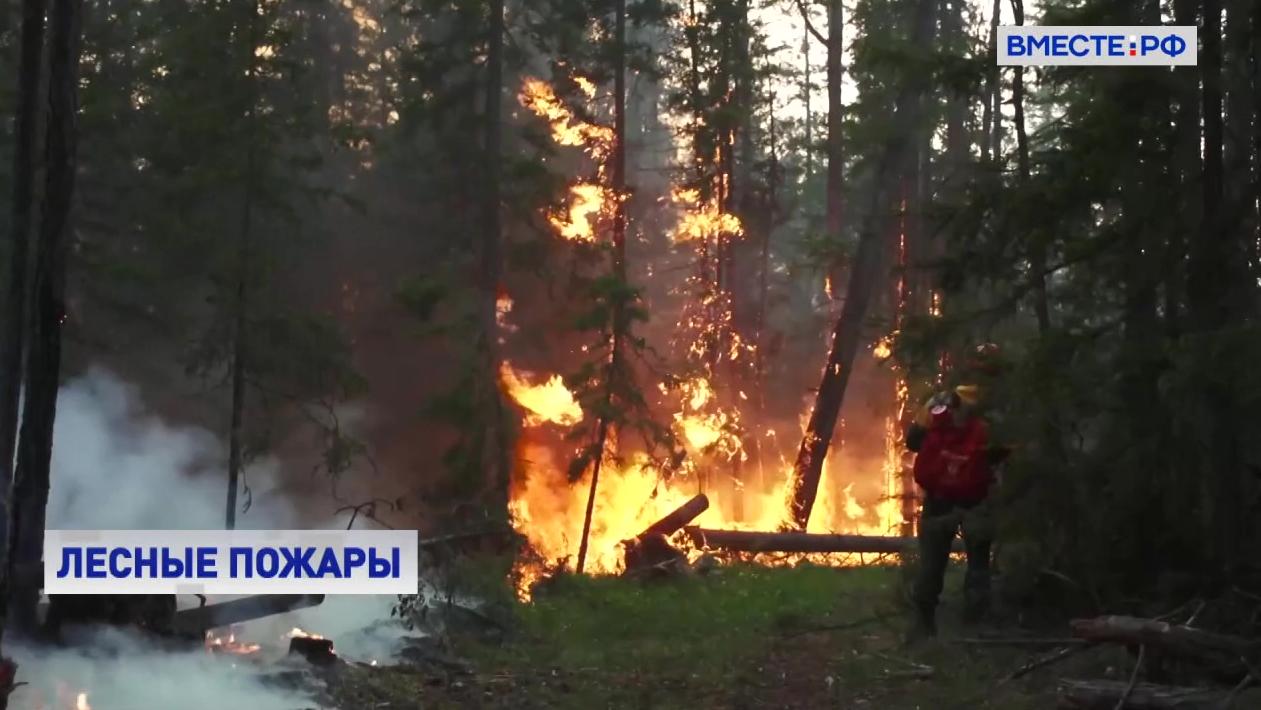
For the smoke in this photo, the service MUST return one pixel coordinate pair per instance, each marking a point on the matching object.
(117, 466)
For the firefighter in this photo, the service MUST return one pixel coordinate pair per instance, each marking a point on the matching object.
(954, 465)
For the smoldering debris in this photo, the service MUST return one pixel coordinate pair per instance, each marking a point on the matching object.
(115, 670)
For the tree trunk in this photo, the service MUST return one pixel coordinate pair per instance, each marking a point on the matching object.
(835, 140)
(240, 330)
(1186, 156)
(1208, 287)
(619, 272)
(806, 91)
(1216, 297)
(26, 140)
(864, 276)
(31, 481)
(495, 447)
(991, 114)
(1037, 249)
(1239, 206)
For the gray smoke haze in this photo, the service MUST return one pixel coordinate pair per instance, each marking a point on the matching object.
(116, 465)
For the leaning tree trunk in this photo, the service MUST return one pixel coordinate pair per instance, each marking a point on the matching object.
(864, 276)
(31, 481)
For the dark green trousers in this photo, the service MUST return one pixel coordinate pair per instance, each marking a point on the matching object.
(940, 520)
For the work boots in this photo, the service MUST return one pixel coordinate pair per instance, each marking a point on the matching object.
(923, 626)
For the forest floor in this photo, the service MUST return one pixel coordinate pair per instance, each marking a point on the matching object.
(742, 637)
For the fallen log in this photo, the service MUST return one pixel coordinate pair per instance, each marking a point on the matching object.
(681, 516)
(751, 541)
(1106, 694)
(201, 619)
(1173, 638)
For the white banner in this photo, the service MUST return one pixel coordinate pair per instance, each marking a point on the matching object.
(231, 562)
(1103, 46)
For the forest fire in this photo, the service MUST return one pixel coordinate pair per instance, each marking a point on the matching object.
(547, 508)
(711, 416)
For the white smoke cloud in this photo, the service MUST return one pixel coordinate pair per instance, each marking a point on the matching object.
(115, 466)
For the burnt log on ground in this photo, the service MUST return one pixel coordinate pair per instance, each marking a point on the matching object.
(1170, 638)
(1108, 694)
(317, 651)
(752, 541)
(652, 554)
(651, 551)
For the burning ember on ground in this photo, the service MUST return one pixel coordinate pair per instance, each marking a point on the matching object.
(295, 632)
(228, 644)
(65, 699)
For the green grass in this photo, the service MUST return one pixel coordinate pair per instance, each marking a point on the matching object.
(743, 637)
(712, 621)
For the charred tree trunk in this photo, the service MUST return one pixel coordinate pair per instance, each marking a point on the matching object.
(494, 445)
(31, 481)
(619, 324)
(865, 276)
(240, 329)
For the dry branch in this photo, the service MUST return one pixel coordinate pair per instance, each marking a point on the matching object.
(1105, 694)
(749, 541)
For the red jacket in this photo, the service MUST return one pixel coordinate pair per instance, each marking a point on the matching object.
(952, 461)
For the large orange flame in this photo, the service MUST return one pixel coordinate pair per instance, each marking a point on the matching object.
(550, 401)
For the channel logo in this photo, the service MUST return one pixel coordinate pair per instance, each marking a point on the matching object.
(1097, 46)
